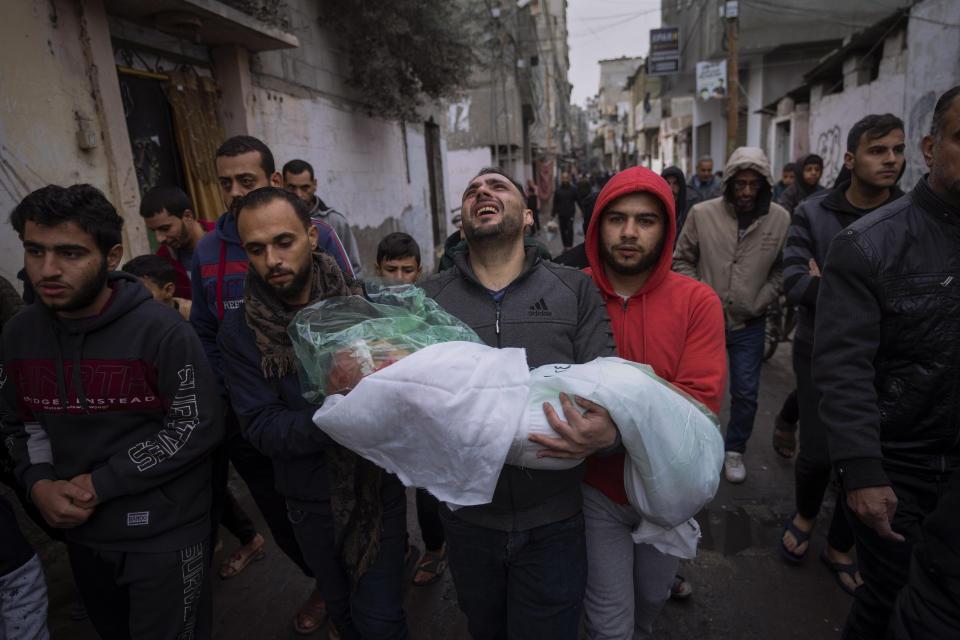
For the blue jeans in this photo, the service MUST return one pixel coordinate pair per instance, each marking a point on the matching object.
(745, 355)
(374, 609)
(518, 584)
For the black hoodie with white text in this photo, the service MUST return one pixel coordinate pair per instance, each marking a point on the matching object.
(127, 396)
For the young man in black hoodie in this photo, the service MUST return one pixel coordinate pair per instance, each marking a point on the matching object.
(116, 413)
(349, 516)
(875, 159)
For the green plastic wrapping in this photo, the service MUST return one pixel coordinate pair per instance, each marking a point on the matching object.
(340, 340)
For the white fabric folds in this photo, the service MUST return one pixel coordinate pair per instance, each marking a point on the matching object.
(448, 417)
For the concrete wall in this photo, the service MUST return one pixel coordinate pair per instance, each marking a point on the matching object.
(55, 67)
(832, 116)
(754, 99)
(933, 66)
(360, 165)
(463, 164)
(714, 112)
(367, 168)
(917, 66)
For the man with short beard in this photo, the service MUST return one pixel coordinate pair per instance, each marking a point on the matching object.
(243, 164)
(874, 158)
(349, 516)
(116, 417)
(672, 323)
(886, 358)
(298, 178)
(168, 212)
(519, 563)
(733, 243)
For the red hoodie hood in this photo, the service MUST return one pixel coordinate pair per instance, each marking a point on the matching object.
(633, 180)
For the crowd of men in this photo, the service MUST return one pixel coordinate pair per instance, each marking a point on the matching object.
(129, 389)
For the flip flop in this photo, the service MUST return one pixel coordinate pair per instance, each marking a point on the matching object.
(436, 566)
(239, 560)
(311, 616)
(783, 442)
(838, 568)
(680, 589)
(800, 536)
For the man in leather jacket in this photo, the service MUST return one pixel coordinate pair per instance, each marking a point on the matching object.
(886, 360)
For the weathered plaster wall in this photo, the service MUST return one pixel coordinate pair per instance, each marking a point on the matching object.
(463, 164)
(832, 116)
(47, 90)
(714, 112)
(933, 66)
(360, 164)
(917, 66)
(302, 107)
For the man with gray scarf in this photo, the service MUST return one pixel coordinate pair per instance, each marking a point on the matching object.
(348, 515)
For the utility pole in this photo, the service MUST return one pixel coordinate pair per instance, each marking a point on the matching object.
(732, 14)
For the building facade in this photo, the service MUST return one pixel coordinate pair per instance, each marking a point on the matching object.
(129, 95)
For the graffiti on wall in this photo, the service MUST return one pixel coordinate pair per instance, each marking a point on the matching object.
(830, 147)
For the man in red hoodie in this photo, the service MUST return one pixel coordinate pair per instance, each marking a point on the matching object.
(672, 323)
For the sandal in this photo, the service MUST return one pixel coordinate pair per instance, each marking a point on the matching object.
(431, 565)
(799, 536)
(782, 442)
(838, 569)
(680, 589)
(312, 615)
(243, 556)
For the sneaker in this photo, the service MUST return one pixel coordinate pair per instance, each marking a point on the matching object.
(733, 467)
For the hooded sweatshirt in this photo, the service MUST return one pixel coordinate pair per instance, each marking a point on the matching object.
(815, 223)
(800, 190)
(681, 199)
(738, 256)
(672, 323)
(219, 271)
(126, 396)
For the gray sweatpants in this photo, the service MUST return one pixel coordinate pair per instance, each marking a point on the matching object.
(23, 603)
(623, 598)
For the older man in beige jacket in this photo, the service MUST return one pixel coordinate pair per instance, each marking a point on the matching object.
(734, 243)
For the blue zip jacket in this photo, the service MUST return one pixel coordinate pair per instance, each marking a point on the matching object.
(219, 271)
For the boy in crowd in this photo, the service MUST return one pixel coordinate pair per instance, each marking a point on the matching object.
(398, 259)
(159, 277)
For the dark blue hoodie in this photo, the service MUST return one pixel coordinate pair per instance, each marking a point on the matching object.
(126, 396)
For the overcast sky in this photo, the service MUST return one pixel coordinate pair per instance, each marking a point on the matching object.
(600, 29)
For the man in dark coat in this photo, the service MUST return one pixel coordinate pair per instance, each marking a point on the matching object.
(887, 357)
